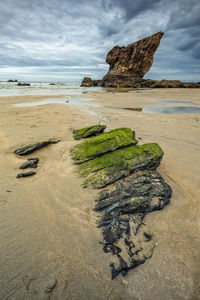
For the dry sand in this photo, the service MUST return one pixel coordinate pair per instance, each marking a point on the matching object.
(48, 230)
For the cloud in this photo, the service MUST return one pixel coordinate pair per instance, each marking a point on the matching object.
(48, 36)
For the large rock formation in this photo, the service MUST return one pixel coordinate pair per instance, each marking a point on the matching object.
(115, 157)
(129, 64)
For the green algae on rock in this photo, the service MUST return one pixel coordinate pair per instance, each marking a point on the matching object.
(111, 157)
(88, 131)
(110, 167)
(104, 143)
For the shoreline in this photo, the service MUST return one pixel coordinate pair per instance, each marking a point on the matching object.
(48, 228)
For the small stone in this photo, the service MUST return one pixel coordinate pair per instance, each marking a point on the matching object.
(25, 174)
(30, 163)
(33, 147)
(50, 285)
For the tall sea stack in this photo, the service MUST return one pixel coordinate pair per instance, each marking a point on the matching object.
(129, 64)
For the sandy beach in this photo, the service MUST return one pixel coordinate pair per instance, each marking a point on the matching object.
(47, 225)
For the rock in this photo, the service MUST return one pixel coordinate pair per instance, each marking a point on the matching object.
(111, 157)
(97, 82)
(129, 64)
(135, 194)
(33, 147)
(122, 212)
(23, 84)
(106, 142)
(134, 60)
(192, 85)
(25, 174)
(110, 167)
(30, 163)
(88, 131)
(87, 82)
(11, 80)
(50, 285)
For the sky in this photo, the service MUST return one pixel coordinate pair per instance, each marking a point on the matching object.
(65, 40)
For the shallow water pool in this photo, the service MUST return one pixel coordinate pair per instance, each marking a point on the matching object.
(71, 100)
(161, 109)
(171, 101)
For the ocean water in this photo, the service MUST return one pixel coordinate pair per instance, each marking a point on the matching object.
(44, 88)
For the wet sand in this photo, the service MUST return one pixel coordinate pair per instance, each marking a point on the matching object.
(48, 229)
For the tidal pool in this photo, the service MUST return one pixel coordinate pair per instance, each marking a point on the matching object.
(71, 100)
(161, 109)
(77, 101)
(171, 101)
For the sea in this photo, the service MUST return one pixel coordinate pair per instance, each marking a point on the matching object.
(44, 88)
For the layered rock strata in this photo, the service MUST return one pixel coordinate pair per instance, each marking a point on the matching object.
(115, 157)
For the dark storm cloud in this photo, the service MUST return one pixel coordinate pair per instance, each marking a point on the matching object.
(131, 8)
(66, 37)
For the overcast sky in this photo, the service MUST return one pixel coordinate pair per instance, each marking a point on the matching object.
(65, 40)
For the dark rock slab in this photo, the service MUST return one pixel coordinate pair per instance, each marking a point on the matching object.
(104, 143)
(88, 131)
(122, 211)
(30, 163)
(26, 174)
(33, 147)
(11, 80)
(23, 84)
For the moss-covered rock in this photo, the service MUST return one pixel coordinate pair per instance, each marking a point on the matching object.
(122, 207)
(112, 166)
(104, 143)
(88, 131)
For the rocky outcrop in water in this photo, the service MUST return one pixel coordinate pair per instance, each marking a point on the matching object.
(87, 82)
(23, 84)
(115, 157)
(11, 80)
